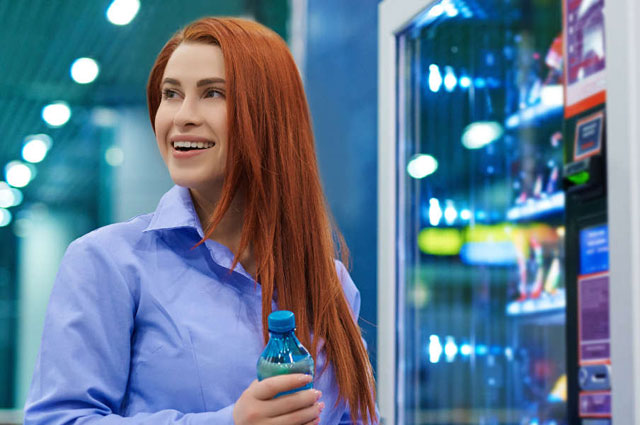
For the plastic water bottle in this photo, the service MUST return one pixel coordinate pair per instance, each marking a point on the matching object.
(284, 353)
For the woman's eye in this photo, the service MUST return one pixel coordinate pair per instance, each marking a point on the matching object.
(214, 93)
(168, 94)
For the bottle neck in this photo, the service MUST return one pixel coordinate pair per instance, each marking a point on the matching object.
(280, 335)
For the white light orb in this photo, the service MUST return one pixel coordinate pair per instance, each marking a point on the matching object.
(114, 156)
(421, 165)
(84, 70)
(35, 147)
(56, 114)
(17, 174)
(121, 12)
(479, 134)
(5, 217)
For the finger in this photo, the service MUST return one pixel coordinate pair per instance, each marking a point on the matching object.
(270, 387)
(316, 421)
(302, 416)
(292, 402)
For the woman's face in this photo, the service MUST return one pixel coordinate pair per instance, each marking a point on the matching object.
(191, 122)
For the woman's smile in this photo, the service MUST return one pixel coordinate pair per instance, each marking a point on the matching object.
(189, 146)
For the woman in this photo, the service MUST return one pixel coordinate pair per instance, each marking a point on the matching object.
(161, 319)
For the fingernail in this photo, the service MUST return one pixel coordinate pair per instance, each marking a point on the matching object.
(306, 378)
(321, 406)
(318, 394)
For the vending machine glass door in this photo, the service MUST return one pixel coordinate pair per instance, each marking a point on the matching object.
(480, 215)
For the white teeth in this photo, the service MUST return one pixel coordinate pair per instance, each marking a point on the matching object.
(199, 145)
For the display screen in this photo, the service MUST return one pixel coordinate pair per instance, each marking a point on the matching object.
(594, 249)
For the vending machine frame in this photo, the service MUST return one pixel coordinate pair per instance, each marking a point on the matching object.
(623, 211)
(623, 175)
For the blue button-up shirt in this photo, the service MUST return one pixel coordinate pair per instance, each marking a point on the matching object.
(142, 329)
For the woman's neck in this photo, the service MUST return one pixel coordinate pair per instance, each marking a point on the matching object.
(228, 232)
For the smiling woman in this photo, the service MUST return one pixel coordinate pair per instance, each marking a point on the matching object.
(165, 315)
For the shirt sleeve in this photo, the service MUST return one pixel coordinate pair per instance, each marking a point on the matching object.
(353, 298)
(82, 369)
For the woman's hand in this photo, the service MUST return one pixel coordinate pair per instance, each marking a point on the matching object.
(256, 405)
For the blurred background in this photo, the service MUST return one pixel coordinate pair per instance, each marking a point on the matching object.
(78, 151)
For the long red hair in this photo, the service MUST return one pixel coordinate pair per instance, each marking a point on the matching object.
(287, 222)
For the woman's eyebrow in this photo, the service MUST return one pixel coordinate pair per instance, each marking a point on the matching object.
(208, 81)
(171, 81)
(203, 82)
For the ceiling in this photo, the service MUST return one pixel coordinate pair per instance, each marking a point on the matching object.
(39, 39)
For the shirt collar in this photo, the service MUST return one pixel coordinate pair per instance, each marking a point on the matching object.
(175, 210)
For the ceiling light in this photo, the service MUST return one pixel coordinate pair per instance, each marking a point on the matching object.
(5, 217)
(6, 197)
(481, 133)
(9, 196)
(35, 147)
(121, 12)
(84, 70)
(56, 114)
(18, 174)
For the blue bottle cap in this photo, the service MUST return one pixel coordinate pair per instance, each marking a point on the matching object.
(282, 321)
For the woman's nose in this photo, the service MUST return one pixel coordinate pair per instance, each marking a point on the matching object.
(187, 114)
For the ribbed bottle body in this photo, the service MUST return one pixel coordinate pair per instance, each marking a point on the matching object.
(285, 354)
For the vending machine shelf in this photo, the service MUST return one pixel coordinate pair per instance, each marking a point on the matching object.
(546, 303)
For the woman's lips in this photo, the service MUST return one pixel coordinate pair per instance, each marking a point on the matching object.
(188, 154)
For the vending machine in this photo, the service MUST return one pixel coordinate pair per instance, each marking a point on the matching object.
(494, 302)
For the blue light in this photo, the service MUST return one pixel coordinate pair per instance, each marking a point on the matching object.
(450, 349)
(465, 349)
(513, 121)
(435, 11)
(450, 79)
(450, 213)
(553, 398)
(465, 214)
(435, 349)
(508, 353)
(481, 215)
(435, 79)
(489, 253)
(465, 82)
(450, 9)
(481, 350)
(435, 212)
(480, 83)
(536, 207)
